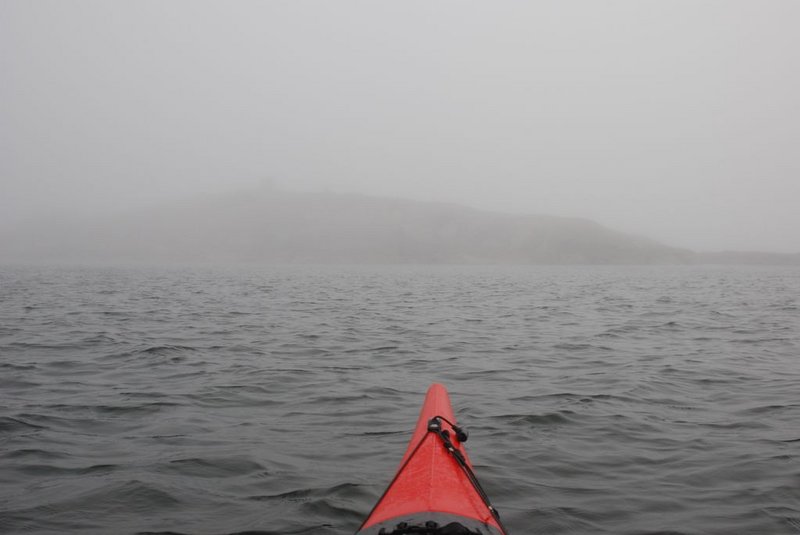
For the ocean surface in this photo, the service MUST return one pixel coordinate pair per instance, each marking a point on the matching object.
(619, 400)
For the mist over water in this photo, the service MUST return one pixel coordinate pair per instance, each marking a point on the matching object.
(279, 400)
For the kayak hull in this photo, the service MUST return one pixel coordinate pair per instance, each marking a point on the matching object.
(432, 484)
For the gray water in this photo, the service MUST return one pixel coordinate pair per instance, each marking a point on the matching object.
(279, 400)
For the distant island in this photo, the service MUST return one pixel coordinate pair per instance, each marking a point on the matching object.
(272, 226)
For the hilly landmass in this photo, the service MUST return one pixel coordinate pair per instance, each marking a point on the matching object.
(270, 226)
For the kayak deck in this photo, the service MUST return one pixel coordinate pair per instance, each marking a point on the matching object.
(434, 490)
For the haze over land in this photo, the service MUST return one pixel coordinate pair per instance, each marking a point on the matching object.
(273, 226)
(677, 120)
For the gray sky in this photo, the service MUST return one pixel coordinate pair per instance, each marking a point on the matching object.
(675, 119)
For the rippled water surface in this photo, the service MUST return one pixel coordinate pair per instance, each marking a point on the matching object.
(279, 400)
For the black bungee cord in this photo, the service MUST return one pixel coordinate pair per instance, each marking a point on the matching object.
(432, 528)
(461, 434)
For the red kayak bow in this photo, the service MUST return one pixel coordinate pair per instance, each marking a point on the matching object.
(435, 491)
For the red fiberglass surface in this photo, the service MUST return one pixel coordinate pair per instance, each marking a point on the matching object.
(432, 480)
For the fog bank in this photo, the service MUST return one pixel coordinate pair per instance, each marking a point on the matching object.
(678, 120)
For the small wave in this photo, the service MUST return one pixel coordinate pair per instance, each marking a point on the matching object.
(376, 433)
(116, 410)
(232, 396)
(132, 495)
(11, 366)
(336, 502)
(64, 364)
(552, 418)
(48, 470)
(211, 468)
(17, 384)
(34, 452)
(759, 340)
(738, 425)
(371, 349)
(346, 489)
(771, 408)
(567, 346)
(574, 397)
(15, 425)
(165, 349)
(74, 511)
(100, 339)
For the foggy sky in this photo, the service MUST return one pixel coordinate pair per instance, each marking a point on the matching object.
(679, 120)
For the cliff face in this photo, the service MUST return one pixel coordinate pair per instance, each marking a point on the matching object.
(282, 227)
